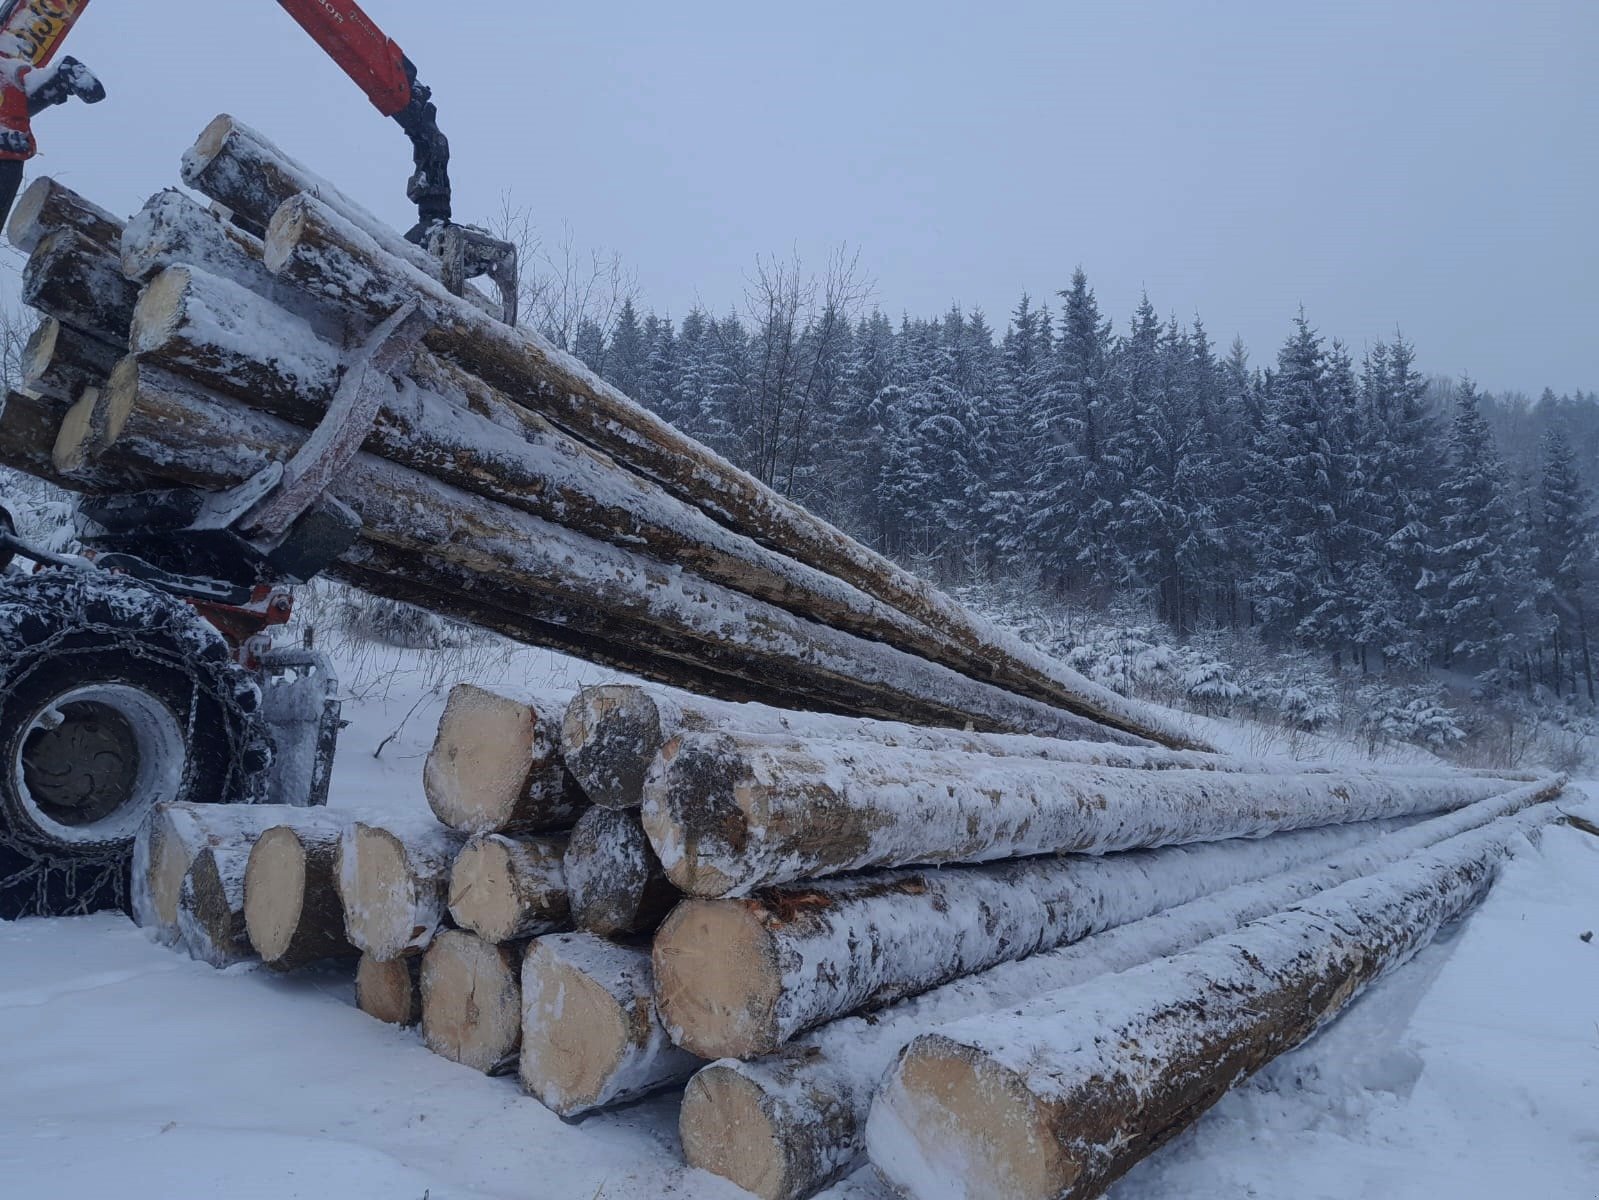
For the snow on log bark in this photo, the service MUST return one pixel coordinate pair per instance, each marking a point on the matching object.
(211, 905)
(472, 1001)
(394, 882)
(728, 813)
(615, 882)
(495, 766)
(785, 1126)
(80, 283)
(292, 908)
(1060, 1097)
(590, 1033)
(47, 206)
(738, 978)
(171, 838)
(59, 362)
(390, 991)
(173, 429)
(506, 889)
(339, 263)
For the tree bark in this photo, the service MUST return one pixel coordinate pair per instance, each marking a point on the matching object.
(495, 766)
(729, 813)
(1062, 1096)
(339, 263)
(211, 905)
(738, 978)
(590, 1034)
(507, 889)
(59, 362)
(394, 883)
(291, 893)
(786, 1126)
(47, 206)
(390, 991)
(615, 882)
(472, 1001)
(80, 283)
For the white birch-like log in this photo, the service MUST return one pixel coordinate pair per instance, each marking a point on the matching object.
(211, 905)
(728, 813)
(495, 766)
(785, 1126)
(341, 264)
(293, 912)
(1060, 1097)
(390, 991)
(472, 1001)
(394, 883)
(590, 1033)
(47, 206)
(506, 889)
(738, 978)
(614, 881)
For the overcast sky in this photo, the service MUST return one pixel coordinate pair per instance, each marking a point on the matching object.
(1428, 165)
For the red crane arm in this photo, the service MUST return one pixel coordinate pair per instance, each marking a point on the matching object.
(362, 50)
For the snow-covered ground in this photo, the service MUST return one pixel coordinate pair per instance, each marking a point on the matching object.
(129, 1070)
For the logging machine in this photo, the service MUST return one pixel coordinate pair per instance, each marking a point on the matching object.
(141, 669)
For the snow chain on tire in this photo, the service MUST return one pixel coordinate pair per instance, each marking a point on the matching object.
(62, 628)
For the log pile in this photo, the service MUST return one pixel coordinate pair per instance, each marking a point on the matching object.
(876, 822)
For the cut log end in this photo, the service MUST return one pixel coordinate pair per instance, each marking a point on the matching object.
(274, 892)
(170, 860)
(490, 753)
(382, 906)
(390, 991)
(472, 1002)
(504, 889)
(208, 145)
(610, 734)
(950, 1114)
(159, 311)
(209, 916)
(717, 980)
(575, 1034)
(727, 1130)
(613, 878)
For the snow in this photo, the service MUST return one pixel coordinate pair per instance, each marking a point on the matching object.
(133, 1071)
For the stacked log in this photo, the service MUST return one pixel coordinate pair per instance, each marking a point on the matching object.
(393, 879)
(509, 889)
(472, 1001)
(390, 991)
(293, 911)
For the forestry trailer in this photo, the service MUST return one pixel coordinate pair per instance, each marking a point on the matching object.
(141, 670)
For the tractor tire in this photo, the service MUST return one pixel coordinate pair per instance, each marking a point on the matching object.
(113, 698)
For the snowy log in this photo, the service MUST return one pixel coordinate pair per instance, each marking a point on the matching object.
(738, 978)
(390, 991)
(80, 283)
(292, 908)
(590, 1033)
(728, 813)
(82, 436)
(46, 206)
(339, 263)
(472, 1001)
(495, 766)
(785, 1126)
(211, 905)
(394, 883)
(506, 889)
(1062, 1096)
(614, 881)
(173, 429)
(59, 362)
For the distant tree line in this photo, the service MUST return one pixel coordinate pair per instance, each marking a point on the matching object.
(1351, 506)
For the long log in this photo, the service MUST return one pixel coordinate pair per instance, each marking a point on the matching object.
(59, 362)
(80, 283)
(340, 263)
(613, 879)
(293, 912)
(457, 429)
(738, 978)
(508, 889)
(174, 430)
(394, 882)
(728, 813)
(472, 1001)
(786, 1126)
(590, 1033)
(47, 206)
(495, 766)
(390, 991)
(1062, 1096)
(211, 905)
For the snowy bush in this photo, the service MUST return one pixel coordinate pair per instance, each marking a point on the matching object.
(1414, 715)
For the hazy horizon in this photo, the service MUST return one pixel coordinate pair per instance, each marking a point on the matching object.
(1430, 167)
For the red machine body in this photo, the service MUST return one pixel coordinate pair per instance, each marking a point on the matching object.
(366, 54)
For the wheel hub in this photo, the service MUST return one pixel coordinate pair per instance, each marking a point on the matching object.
(85, 765)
